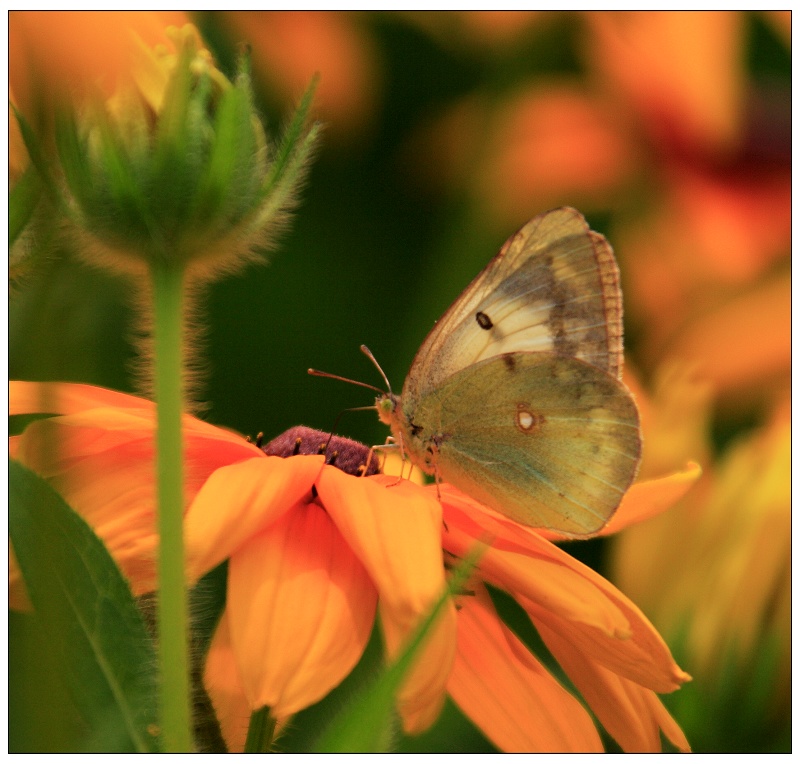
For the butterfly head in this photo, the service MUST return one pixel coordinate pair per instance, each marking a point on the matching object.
(387, 405)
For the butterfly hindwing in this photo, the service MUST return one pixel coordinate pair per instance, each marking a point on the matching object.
(545, 439)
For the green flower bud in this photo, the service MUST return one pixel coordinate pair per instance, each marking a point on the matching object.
(176, 167)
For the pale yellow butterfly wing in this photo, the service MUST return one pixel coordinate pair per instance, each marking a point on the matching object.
(547, 440)
(553, 287)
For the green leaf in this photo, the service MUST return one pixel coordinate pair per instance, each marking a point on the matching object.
(220, 191)
(365, 724)
(87, 614)
(293, 153)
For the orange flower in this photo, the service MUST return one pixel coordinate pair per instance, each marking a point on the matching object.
(314, 552)
(370, 545)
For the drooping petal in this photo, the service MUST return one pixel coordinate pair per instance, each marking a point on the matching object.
(395, 529)
(527, 563)
(224, 687)
(507, 693)
(632, 714)
(300, 608)
(592, 614)
(238, 501)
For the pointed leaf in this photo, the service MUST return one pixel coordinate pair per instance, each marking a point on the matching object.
(296, 145)
(88, 614)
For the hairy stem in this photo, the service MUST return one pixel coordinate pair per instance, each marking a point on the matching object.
(168, 296)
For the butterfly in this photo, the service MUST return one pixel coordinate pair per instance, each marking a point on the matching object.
(515, 396)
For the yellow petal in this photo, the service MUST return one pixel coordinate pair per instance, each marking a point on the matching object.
(507, 693)
(238, 501)
(395, 529)
(632, 714)
(301, 609)
(224, 687)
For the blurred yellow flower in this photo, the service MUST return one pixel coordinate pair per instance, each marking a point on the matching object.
(715, 574)
(58, 55)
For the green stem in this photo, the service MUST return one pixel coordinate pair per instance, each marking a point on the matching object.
(167, 281)
(260, 731)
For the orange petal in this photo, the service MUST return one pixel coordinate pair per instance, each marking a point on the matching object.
(684, 71)
(652, 497)
(632, 714)
(395, 529)
(65, 398)
(238, 501)
(595, 616)
(507, 693)
(101, 460)
(301, 609)
(111, 489)
(224, 686)
(758, 324)
(551, 143)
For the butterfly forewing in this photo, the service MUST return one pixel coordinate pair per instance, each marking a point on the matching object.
(553, 287)
(547, 440)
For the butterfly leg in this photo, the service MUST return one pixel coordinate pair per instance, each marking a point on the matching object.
(389, 445)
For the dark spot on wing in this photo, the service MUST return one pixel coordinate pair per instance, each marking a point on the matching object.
(510, 360)
(483, 320)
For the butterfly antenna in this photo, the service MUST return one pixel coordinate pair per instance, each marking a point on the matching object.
(316, 373)
(368, 353)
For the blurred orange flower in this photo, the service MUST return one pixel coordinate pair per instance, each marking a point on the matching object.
(314, 551)
(55, 52)
(289, 47)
